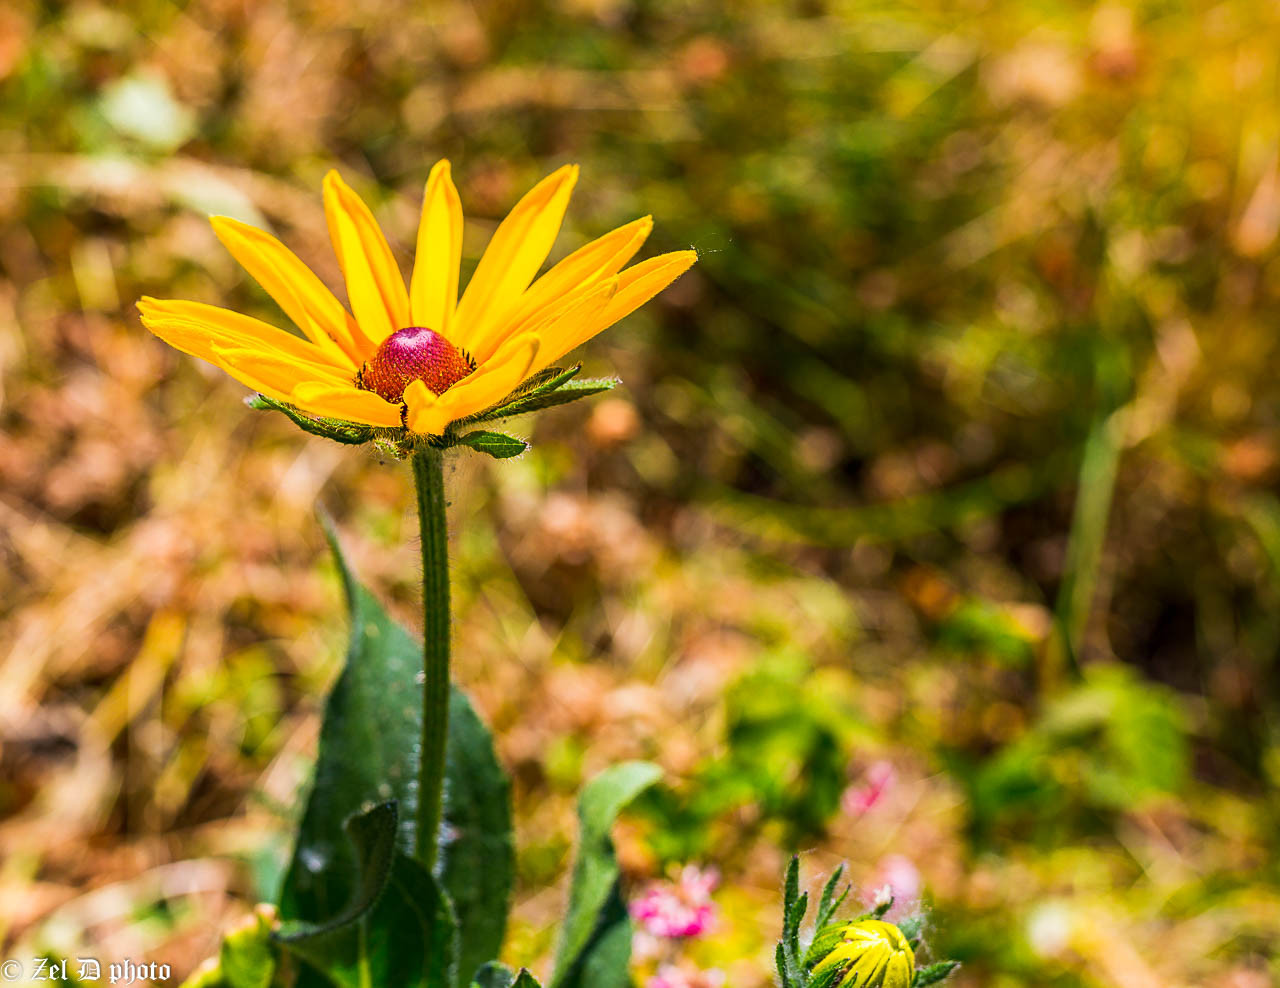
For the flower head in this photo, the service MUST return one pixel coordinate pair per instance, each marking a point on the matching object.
(678, 909)
(865, 953)
(416, 360)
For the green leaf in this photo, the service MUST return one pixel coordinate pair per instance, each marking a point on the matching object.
(408, 939)
(595, 942)
(373, 839)
(934, 973)
(526, 980)
(351, 433)
(368, 754)
(477, 851)
(497, 444)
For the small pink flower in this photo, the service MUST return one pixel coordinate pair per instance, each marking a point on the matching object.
(683, 976)
(857, 800)
(678, 909)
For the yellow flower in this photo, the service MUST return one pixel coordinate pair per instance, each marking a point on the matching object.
(418, 357)
(867, 953)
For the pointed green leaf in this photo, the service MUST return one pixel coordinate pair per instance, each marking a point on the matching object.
(373, 839)
(368, 753)
(526, 980)
(497, 444)
(595, 940)
(408, 940)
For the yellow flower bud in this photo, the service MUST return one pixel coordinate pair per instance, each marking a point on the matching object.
(865, 954)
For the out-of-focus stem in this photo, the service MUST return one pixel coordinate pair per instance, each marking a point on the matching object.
(428, 477)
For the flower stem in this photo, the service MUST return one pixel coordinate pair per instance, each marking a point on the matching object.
(428, 477)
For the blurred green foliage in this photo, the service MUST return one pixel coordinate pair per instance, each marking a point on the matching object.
(784, 760)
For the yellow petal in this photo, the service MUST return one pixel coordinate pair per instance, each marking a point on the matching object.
(514, 255)
(433, 291)
(199, 326)
(601, 258)
(295, 287)
(345, 402)
(375, 287)
(492, 381)
(423, 414)
(580, 304)
(636, 285)
(280, 375)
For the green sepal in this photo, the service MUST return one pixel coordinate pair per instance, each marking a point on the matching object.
(830, 903)
(826, 940)
(543, 382)
(546, 389)
(350, 433)
(827, 975)
(570, 391)
(547, 379)
(934, 973)
(912, 927)
(496, 444)
(791, 971)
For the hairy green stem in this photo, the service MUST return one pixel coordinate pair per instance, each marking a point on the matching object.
(428, 477)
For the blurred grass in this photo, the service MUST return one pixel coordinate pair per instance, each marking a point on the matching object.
(957, 449)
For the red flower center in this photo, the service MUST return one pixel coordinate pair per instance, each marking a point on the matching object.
(414, 353)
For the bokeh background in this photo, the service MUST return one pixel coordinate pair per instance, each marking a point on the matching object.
(935, 528)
